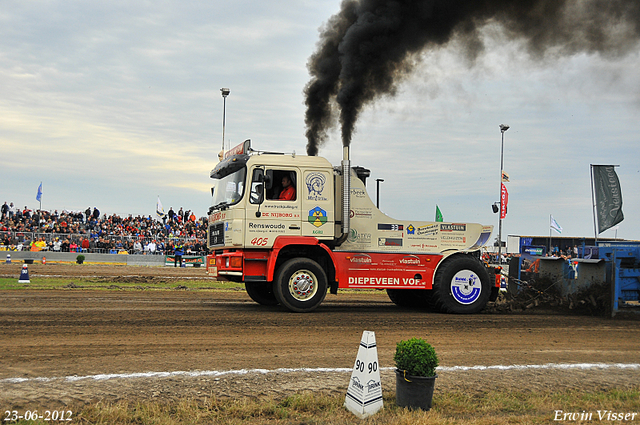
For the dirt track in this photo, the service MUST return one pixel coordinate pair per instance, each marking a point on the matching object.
(62, 333)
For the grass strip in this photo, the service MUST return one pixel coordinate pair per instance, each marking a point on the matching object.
(117, 283)
(491, 407)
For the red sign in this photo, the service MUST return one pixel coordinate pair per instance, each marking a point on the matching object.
(504, 201)
(239, 149)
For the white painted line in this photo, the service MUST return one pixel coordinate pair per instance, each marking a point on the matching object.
(567, 366)
(216, 373)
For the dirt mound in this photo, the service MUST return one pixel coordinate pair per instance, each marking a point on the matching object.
(543, 294)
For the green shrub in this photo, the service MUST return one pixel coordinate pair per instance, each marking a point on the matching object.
(416, 357)
(80, 259)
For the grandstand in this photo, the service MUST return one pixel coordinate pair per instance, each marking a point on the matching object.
(75, 232)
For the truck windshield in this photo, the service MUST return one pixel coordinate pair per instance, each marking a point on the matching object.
(229, 189)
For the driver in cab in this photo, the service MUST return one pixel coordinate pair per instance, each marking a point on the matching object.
(288, 192)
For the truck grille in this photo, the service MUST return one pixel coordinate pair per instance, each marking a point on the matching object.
(216, 234)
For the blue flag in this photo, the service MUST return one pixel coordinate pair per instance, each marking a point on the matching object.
(39, 195)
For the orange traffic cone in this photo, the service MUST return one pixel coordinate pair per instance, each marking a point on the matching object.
(44, 260)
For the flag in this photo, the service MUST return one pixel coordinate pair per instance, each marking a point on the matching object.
(159, 210)
(438, 214)
(39, 195)
(505, 201)
(608, 196)
(554, 225)
(505, 177)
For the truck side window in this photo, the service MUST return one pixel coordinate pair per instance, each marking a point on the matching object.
(282, 185)
(257, 186)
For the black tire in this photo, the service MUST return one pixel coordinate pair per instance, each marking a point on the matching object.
(300, 285)
(409, 298)
(461, 286)
(262, 293)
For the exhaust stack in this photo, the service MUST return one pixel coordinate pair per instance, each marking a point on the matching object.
(346, 194)
(346, 189)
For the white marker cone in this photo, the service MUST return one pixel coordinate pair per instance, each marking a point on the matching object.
(24, 275)
(364, 394)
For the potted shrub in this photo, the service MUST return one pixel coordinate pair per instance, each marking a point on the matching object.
(416, 363)
(80, 259)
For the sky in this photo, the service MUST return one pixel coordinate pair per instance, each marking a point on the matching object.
(114, 104)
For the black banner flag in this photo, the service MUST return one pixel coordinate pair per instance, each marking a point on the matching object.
(608, 197)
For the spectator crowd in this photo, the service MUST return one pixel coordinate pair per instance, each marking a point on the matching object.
(89, 231)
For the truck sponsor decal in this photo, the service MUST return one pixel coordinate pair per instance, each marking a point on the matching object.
(358, 193)
(453, 227)
(361, 259)
(266, 226)
(317, 216)
(357, 237)
(361, 213)
(281, 206)
(279, 215)
(315, 186)
(389, 242)
(395, 227)
(410, 260)
(217, 217)
(446, 238)
(483, 238)
(430, 230)
(422, 245)
(383, 281)
(466, 287)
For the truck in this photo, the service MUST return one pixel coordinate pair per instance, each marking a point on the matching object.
(291, 250)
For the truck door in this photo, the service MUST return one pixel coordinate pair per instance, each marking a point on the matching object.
(318, 204)
(273, 206)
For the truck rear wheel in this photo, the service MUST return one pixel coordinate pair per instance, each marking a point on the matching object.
(300, 285)
(262, 293)
(461, 285)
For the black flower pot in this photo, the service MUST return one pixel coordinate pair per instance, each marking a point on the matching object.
(414, 392)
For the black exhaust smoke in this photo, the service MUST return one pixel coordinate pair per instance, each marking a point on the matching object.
(370, 45)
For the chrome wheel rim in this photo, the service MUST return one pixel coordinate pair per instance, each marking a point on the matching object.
(303, 285)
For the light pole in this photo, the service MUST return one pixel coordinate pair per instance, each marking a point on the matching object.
(503, 128)
(225, 92)
(378, 192)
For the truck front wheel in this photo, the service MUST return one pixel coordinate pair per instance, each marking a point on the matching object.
(300, 285)
(262, 293)
(461, 285)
